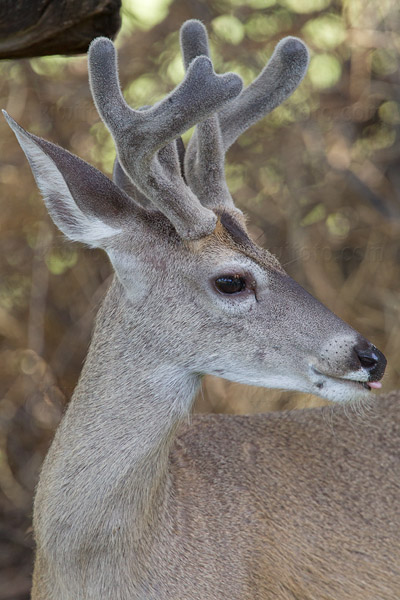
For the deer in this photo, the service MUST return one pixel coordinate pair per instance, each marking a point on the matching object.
(139, 500)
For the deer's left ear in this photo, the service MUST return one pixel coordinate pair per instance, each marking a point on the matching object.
(85, 204)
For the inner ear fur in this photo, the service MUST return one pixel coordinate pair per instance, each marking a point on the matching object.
(82, 201)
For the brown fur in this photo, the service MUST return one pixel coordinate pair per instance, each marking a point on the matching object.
(312, 511)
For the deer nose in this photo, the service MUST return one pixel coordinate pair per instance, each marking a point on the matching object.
(372, 360)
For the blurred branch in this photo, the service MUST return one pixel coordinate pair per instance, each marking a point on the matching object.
(39, 287)
(42, 27)
(11, 328)
(378, 202)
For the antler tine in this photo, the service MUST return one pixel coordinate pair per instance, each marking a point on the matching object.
(204, 162)
(194, 41)
(139, 135)
(283, 73)
(205, 156)
(121, 179)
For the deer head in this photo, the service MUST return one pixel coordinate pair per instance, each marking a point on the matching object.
(200, 290)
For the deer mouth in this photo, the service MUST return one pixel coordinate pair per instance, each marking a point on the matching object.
(324, 377)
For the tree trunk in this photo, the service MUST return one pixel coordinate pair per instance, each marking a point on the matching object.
(41, 27)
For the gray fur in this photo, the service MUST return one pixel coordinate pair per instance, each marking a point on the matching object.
(205, 156)
(121, 179)
(139, 135)
(135, 502)
(83, 202)
(194, 41)
(281, 76)
(204, 165)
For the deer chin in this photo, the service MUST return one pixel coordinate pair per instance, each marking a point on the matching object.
(342, 389)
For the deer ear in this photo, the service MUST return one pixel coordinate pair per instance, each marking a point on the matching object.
(82, 202)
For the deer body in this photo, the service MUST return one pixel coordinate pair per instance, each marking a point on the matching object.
(283, 505)
(145, 504)
(135, 502)
(328, 535)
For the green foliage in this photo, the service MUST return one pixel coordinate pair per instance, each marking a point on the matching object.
(145, 14)
(389, 112)
(228, 28)
(14, 291)
(325, 32)
(385, 61)
(324, 71)
(306, 6)
(61, 259)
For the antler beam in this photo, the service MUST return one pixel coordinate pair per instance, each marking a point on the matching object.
(142, 138)
(276, 82)
(204, 164)
(205, 156)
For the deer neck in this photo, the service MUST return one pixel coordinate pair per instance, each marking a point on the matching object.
(112, 446)
(137, 398)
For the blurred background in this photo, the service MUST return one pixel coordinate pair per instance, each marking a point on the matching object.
(319, 180)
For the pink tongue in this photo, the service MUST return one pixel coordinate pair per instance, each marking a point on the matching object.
(375, 384)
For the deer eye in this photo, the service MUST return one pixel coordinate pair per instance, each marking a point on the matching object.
(230, 284)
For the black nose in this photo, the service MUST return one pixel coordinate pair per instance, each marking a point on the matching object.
(372, 360)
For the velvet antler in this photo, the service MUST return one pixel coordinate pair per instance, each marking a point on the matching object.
(143, 137)
(204, 162)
